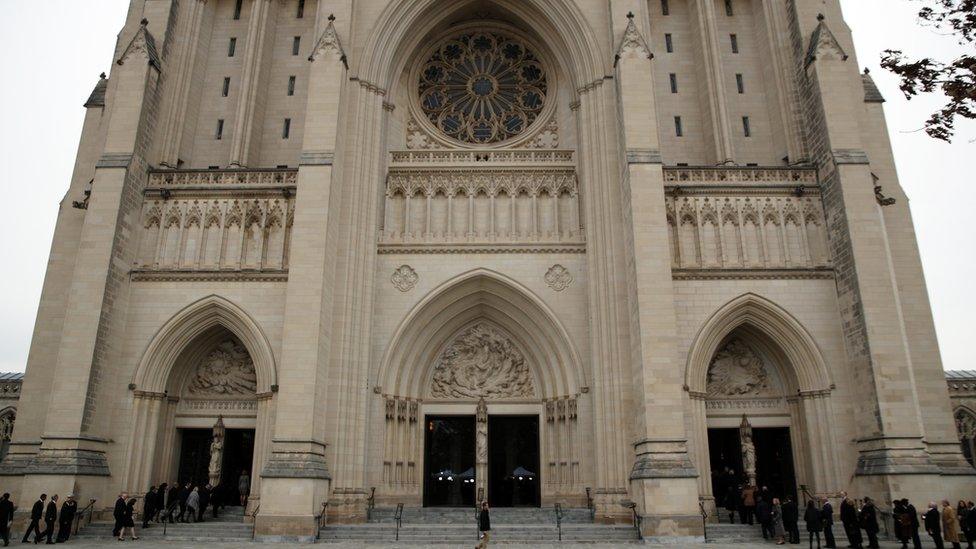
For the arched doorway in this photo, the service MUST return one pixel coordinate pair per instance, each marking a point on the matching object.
(207, 375)
(482, 392)
(760, 399)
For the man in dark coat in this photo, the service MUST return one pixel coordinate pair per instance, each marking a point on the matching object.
(173, 502)
(869, 522)
(118, 513)
(6, 515)
(216, 498)
(37, 512)
(791, 518)
(848, 517)
(827, 516)
(910, 509)
(50, 519)
(184, 495)
(933, 525)
(204, 501)
(148, 506)
(764, 512)
(160, 505)
(67, 516)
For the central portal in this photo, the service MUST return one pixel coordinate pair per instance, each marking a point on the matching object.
(513, 461)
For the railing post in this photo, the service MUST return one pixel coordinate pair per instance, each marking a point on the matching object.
(559, 520)
(704, 515)
(399, 517)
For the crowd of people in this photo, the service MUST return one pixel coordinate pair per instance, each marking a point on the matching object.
(779, 519)
(163, 503)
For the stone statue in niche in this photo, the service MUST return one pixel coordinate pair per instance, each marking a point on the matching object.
(737, 371)
(482, 363)
(217, 452)
(227, 371)
(748, 450)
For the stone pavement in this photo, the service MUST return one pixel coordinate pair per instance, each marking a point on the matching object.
(156, 544)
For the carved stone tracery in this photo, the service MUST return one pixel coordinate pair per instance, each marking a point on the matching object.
(481, 363)
(737, 371)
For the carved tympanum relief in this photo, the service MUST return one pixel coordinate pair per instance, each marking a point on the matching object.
(737, 371)
(227, 371)
(480, 363)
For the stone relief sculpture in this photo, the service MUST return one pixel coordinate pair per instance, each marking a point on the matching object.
(227, 371)
(404, 278)
(482, 363)
(737, 371)
(217, 452)
(559, 278)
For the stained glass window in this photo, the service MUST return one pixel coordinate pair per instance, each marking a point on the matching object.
(483, 87)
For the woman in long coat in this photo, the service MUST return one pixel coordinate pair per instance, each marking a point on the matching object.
(484, 524)
(814, 522)
(777, 515)
(950, 525)
(128, 520)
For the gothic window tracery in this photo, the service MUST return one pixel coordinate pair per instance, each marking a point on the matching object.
(483, 87)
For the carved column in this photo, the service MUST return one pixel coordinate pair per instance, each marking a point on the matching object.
(893, 457)
(662, 479)
(481, 451)
(711, 72)
(74, 428)
(246, 136)
(297, 462)
(178, 81)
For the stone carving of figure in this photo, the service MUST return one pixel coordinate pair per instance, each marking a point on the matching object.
(482, 363)
(217, 452)
(748, 451)
(737, 371)
(482, 431)
(227, 371)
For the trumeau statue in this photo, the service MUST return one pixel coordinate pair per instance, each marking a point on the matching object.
(217, 452)
(737, 371)
(482, 363)
(748, 450)
(227, 371)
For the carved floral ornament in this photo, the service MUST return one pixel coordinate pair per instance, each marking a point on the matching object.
(404, 278)
(737, 371)
(559, 278)
(227, 371)
(482, 362)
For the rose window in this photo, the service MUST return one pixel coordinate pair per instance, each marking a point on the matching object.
(482, 87)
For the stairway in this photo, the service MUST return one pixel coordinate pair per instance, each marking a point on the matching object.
(727, 534)
(229, 527)
(427, 526)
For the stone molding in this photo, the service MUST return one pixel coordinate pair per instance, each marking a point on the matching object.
(317, 158)
(825, 273)
(140, 275)
(69, 461)
(456, 249)
(304, 465)
(850, 156)
(110, 160)
(746, 176)
(644, 156)
(214, 179)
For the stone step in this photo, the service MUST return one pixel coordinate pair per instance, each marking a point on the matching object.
(218, 530)
(444, 533)
(466, 515)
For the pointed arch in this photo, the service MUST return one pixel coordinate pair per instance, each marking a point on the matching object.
(404, 23)
(806, 370)
(480, 295)
(199, 319)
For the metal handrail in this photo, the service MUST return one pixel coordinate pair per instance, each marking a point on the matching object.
(704, 516)
(806, 494)
(370, 503)
(637, 518)
(398, 516)
(254, 518)
(590, 505)
(319, 518)
(81, 514)
(559, 520)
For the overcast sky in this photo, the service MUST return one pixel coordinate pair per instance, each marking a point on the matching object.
(52, 51)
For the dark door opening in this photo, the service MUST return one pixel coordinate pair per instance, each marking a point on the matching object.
(195, 459)
(449, 464)
(725, 457)
(513, 461)
(774, 461)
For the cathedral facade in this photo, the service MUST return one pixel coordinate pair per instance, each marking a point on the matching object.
(437, 252)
